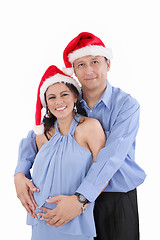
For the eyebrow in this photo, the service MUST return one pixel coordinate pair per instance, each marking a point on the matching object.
(51, 94)
(64, 91)
(94, 58)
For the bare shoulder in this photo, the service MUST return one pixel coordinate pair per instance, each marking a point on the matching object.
(89, 125)
(41, 139)
(90, 135)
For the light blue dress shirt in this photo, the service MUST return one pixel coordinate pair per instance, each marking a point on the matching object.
(118, 113)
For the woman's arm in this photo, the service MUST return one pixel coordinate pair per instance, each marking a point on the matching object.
(24, 187)
(96, 139)
(95, 136)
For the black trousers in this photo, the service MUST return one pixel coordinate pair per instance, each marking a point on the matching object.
(116, 216)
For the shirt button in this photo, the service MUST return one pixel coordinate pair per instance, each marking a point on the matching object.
(91, 110)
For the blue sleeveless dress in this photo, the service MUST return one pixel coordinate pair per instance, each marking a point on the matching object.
(59, 168)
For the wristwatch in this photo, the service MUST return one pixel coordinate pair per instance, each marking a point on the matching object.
(83, 200)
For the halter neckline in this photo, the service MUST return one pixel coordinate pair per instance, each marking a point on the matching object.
(73, 125)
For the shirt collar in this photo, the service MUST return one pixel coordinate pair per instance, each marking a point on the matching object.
(106, 97)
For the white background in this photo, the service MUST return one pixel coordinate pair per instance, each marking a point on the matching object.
(33, 35)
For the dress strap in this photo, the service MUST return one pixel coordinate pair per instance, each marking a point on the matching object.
(74, 123)
(56, 126)
(73, 126)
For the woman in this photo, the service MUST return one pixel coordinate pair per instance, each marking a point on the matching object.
(67, 145)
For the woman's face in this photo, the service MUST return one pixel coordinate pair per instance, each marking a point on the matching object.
(60, 100)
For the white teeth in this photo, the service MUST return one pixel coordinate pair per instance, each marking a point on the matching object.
(58, 109)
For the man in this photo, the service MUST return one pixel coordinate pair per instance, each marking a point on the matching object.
(116, 213)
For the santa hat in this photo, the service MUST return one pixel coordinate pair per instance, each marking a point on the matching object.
(51, 76)
(83, 45)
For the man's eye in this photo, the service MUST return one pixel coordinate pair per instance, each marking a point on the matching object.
(80, 65)
(94, 62)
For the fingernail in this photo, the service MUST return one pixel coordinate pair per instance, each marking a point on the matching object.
(49, 198)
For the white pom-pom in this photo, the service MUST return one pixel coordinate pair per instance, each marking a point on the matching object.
(68, 71)
(38, 129)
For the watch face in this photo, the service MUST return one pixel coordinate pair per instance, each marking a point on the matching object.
(82, 199)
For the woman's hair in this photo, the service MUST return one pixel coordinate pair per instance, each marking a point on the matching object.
(49, 122)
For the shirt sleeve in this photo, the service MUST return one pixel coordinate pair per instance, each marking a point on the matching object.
(27, 153)
(120, 139)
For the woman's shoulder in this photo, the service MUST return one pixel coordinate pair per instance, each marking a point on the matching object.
(89, 133)
(43, 138)
(87, 125)
(89, 122)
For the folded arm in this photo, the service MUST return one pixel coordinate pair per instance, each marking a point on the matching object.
(120, 139)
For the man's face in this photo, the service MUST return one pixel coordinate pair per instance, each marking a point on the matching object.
(91, 72)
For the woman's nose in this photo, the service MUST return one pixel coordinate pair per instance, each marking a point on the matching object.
(59, 101)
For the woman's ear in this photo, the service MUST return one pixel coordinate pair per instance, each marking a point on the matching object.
(76, 101)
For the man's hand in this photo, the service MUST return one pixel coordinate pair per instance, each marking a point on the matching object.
(68, 207)
(25, 190)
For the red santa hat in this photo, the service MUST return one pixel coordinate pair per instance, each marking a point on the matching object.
(51, 76)
(83, 45)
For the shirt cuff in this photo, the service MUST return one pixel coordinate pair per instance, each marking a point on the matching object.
(23, 167)
(88, 190)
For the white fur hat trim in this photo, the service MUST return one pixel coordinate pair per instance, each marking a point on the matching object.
(68, 71)
(38, 129)
(93, 50)
(57, 78)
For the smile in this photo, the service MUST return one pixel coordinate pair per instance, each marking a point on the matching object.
(89, 79)
(60, 109)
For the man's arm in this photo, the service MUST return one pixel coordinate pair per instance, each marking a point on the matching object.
(24, 187)
(121, 137)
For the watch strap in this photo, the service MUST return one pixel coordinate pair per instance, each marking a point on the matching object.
(81, 198)
(84, 208)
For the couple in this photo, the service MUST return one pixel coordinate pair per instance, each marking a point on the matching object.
(76, 160)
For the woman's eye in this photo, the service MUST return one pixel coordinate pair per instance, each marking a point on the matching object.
(51, 98)
(65, 94)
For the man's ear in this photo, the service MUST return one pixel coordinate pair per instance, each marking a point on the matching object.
(108, 64)
(75, 73)
(74, 70)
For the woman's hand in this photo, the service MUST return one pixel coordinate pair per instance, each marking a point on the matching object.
(25, 189)
(68, 207)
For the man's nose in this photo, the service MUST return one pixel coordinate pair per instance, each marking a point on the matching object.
(89, 70)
